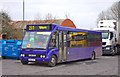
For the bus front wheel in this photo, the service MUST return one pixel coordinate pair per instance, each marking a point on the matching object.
(53, 61)
(24, 62)
(93, 55)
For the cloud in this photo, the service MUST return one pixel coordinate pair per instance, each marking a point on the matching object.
(80, 11)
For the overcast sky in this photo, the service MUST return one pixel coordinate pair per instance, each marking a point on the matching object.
(83, 13)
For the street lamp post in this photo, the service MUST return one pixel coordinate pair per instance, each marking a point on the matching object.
(23, 18)
(23, 10)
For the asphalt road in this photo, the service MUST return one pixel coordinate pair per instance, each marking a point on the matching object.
(105, 65)
(0, 67)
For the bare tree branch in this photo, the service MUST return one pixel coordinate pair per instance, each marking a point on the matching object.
(112, 13)
(38, 16)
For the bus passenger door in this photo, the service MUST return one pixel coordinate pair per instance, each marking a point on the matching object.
(62, 46)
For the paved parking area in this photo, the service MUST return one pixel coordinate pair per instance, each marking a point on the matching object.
(105, 65)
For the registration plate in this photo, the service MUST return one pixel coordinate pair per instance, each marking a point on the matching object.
(31, 55)
(31, 59)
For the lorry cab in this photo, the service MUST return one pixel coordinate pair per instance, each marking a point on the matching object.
(108, 40)
(109, 31)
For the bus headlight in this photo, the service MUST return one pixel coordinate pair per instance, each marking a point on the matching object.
(42, 56)
(23, 55)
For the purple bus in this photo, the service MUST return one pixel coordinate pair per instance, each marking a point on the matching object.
(52, 44)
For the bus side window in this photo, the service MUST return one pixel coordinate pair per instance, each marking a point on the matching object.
(52, 43)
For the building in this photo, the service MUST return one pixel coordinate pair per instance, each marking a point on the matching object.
(20, 26)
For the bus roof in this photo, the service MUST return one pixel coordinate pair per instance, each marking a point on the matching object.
(73, 29)
(58, 27)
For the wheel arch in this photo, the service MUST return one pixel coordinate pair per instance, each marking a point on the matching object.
(55, 56)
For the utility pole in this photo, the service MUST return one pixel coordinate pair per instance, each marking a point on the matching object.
(23, 19)
(23, 10)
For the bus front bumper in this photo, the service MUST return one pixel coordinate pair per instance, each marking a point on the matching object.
(37, 60)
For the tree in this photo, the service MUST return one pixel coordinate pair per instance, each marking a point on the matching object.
(38, 16)
(49, 18)
(5, 20)
(114, 10)
(67, 15)
(111, 13)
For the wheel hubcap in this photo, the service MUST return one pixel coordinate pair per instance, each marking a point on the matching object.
(53, 60)
(92, 56)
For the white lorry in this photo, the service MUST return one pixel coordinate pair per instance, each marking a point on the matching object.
(110, 36)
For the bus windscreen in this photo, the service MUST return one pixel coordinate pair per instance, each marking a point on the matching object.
(36, 40)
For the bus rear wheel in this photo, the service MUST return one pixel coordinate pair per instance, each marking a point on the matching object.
(93, 56)
(53, 61)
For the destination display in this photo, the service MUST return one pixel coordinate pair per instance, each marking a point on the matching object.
(39, 27)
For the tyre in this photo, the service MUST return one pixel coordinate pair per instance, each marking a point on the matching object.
(116, 50)
(24, 62)
(113, 52)
(93, 56)
(3, 57)
(53, 61)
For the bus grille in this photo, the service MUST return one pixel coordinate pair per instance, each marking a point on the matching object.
(103, 43)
